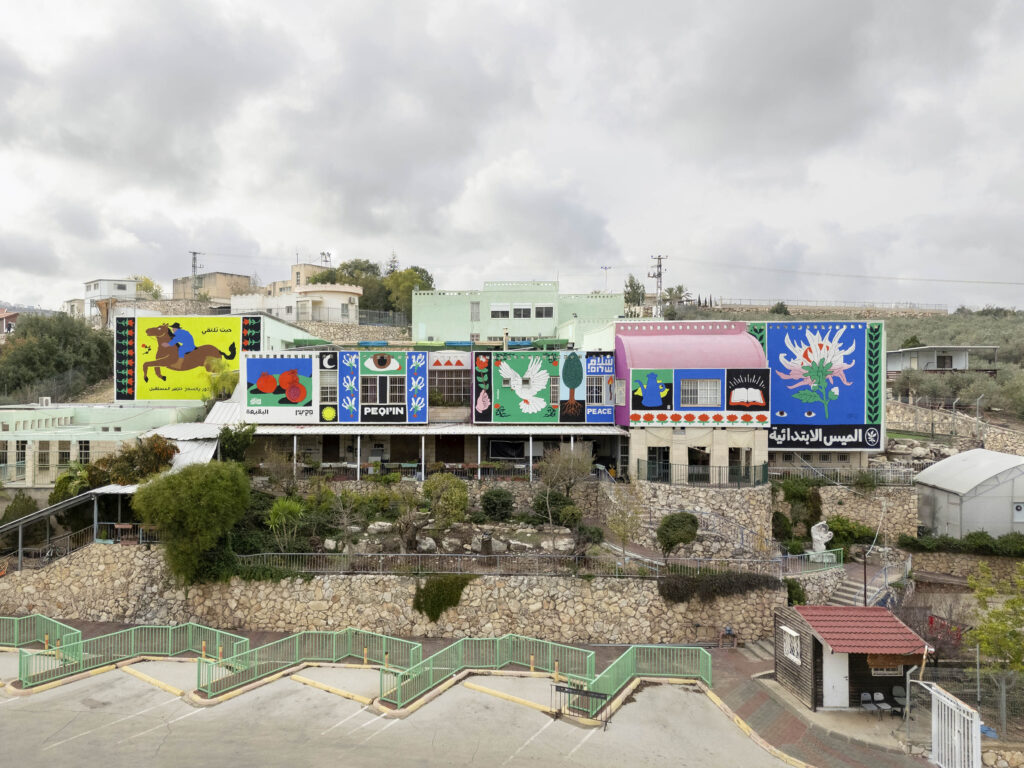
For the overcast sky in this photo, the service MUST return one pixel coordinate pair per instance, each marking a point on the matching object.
(519, 140)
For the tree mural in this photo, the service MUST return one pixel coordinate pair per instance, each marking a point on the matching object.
(572, 377)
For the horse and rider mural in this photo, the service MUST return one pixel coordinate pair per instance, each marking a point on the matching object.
(173, 354)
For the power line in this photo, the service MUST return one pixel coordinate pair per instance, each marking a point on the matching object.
(852, 277)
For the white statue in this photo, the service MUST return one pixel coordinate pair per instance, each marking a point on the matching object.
(820, 536)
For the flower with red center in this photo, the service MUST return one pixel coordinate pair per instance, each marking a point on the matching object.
(481, 362)
(634, 417)
(762, 417)
(689, 417)
(703, 417)
(731, 417)
(662, 417)
(676, 417)
(717, 417)
(648, 417)
(746, 417)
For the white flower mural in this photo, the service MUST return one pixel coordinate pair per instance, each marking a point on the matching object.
(817, 364)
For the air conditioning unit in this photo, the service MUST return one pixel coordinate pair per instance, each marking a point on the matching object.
(44, 402)
(351, 299)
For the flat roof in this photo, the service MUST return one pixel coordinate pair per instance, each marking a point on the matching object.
(945, 346)
(965, 471)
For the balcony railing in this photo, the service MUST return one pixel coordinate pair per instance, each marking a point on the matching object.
(885, 475)
(740, 476)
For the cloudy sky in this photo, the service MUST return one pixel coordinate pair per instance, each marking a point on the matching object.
(785, 150)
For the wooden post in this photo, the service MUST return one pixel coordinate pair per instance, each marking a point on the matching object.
(531, 662)
(556, 670)
(46, 642)
(220, 652)
(204, 649)
(365, 656)
(57, 651)
(385, 659)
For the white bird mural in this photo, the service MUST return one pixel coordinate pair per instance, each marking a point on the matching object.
(528, 385)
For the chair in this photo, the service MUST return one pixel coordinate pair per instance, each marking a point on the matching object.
(899, 697)
(866, 703)
(881, 703)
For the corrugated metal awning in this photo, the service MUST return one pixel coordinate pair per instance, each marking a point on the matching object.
(193, 452)
(190, 431)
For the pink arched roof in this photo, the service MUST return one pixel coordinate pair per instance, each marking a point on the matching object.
(686, 345)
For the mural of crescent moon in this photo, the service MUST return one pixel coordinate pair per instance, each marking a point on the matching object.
(329, 362)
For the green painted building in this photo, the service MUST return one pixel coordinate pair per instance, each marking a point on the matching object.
(528, 310)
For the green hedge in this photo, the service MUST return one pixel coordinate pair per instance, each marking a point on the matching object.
(681, 588)
(795, 592)
(974, 543)
(439, 593)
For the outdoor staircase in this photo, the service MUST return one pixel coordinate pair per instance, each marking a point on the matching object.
(759, 650)
(850, 592)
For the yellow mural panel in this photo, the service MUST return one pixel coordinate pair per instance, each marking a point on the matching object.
(172, 354)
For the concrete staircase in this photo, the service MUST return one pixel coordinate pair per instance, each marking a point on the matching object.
(759, 650)
(850, 592)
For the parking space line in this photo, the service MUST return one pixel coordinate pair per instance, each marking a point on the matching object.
(582, 742)
(543, 728)
(162, 725)
(107, 725)
(342, 722)
(393, 722)
(369, 722)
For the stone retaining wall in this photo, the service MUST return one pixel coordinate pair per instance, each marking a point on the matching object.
(903, 416)
(749, 507)
(956, 564)
(1007, 757)
(132, 585)
(344, 333)
(820, 585)
(866, 508)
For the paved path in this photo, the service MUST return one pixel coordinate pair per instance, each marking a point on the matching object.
(781, 726)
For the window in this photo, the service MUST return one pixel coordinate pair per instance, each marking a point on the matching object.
(43, 456)
(704, 393)
(944, 362)
(287, 310)
(3, 453)
(474, 337)
(544, 310)
(20, 449)
(843, 458)
(791, 644)
(595, 390)
(474, 311)
(120, 287)
(298, 279)
(499, 310)
(451, 387)
(328, 386)
(83, 451)
(521, 311)
(553, 394)
(806, 457)
(788, 458)
(825, 458)
(887, 671)
(63, 453)
(396, 389)
(368, 390)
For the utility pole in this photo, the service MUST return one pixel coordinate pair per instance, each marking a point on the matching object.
(656, 274)
(606, 278)
(196, 266)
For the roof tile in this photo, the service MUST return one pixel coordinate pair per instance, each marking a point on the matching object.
(856, 629)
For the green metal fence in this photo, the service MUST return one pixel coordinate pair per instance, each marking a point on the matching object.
(36, 628)
(399, 687)
(642, 661)
(37, 667)
(216, 676)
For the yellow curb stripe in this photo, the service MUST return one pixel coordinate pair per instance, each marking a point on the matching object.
(509, 697)
(153, 681)
(754, 736)
(430, 695)
(331, 689)
(245, 688)
(66, 680)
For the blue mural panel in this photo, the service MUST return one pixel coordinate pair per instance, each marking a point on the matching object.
(685, 374)
(416, 387)
(348, 387)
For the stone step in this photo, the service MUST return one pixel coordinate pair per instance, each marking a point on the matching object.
(748, 654)
(763, 649)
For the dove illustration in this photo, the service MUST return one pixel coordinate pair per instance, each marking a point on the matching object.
(528, 385)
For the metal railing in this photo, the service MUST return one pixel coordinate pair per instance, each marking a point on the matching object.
(36, 628)
(505, 565)
(219, 675)
(885, 475)
(382, 317)
(812, 562)
(692, 474)
(67, 659)
(889, 574)
(56, 547)
(413, 471)
(721, 302)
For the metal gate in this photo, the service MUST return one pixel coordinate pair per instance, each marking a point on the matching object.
(955, 727)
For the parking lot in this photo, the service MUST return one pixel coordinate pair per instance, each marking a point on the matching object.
(116, 719)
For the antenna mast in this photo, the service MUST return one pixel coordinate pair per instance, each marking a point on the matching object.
(656, 274)
(196, 266)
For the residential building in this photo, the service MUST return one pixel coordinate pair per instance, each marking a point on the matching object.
(218, 286)
(938, 359)
(524, 310)
(8, 319)
(101, 295)
(321, 302)
(300, 275)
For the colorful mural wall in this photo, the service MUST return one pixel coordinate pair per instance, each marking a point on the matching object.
(166, 358)
(714, 397)
(337, 387)
(827, 381)
(535, 387)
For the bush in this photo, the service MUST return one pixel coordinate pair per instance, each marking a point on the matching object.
(1010, 544)
(588, 536)
(448, 498)
(804, 498)
(979, 543)
(974, 543)
(782, 527)
(796, 593)
(389, 478)
(846, 532)
(681, 588)
(795, 546)
(864, 482)
(497, 504)
(439, 593)
(779, 308)
(558, 501)
(675, 530)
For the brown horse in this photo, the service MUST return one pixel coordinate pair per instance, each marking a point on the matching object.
(167, 356)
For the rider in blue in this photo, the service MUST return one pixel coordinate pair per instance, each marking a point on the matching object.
(182, 339)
